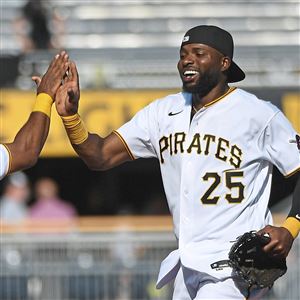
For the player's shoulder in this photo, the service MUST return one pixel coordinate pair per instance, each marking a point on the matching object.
(251, 101)
(4, 160)
(175, 100)
(3, 148)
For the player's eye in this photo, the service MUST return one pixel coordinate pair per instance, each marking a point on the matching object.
(200, 53)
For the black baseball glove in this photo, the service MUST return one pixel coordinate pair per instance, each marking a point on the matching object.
(255, 266)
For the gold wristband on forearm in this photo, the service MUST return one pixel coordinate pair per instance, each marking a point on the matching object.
(292, 225)
(43, 103)
(75, 128)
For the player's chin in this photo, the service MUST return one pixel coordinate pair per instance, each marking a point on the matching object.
(190, 87)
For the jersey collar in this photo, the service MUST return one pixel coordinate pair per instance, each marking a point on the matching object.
(188, 99)
(231, 89)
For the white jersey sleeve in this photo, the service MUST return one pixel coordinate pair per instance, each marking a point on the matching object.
(280, 143)
(138, 133)
(4, 161)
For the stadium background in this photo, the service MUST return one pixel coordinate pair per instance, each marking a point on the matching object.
(127, 53)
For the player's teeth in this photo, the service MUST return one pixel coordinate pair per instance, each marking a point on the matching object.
(187, 73)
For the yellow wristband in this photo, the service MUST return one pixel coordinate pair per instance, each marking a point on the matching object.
(292, 225)
(75, 128)
(43, 104)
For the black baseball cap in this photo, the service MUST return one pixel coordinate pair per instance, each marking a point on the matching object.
(218, 39)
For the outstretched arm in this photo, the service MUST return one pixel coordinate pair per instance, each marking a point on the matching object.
(30, 139)
(97, 152)
(282, 237)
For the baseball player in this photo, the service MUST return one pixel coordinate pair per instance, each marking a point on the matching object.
(23, 152)
(216, 146)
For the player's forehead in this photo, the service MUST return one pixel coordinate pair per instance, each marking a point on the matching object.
(193, 47)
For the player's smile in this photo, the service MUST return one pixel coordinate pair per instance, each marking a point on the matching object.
(190, 75)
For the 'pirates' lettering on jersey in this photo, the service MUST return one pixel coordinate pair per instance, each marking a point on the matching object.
(206, 144)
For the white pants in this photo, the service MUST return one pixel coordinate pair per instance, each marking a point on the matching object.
(190, 284)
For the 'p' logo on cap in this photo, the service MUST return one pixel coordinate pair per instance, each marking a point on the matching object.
(186, 38)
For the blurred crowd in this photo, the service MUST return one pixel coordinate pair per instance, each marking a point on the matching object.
(24, 199)
(38, 26)
(20, 201)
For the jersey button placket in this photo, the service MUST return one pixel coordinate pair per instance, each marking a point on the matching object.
(186, 215)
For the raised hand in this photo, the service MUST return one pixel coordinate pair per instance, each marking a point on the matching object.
(54, 76)
(67, 96)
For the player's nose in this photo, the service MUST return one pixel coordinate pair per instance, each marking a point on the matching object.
(188, 60)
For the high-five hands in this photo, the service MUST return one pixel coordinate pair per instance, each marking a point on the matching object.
(68, 94)
(61, 82)
(52, 79)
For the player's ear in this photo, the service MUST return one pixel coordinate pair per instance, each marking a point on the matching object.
(226, 62)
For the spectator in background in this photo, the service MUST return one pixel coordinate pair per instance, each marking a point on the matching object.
(36, 26)
(48, 203)
(13, 202)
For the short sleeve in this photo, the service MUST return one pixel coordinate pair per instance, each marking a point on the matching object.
(4, 161)
(137, 134)
(281, 144)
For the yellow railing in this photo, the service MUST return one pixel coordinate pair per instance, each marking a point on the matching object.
(98, 224)
(91, 224)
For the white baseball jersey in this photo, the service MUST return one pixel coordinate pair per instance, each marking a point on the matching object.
(4, 161)
(216, 170)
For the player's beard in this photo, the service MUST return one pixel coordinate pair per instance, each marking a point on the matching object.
(206, 82)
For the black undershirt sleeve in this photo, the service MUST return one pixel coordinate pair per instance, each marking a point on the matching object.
(295, 210)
